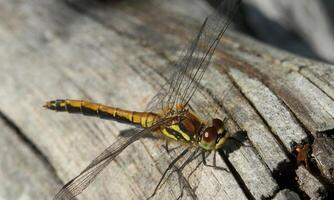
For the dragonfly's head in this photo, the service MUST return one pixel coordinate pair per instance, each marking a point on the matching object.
(214, 136)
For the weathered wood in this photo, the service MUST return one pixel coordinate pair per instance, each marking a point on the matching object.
(278, 117)
(24, 174)
(54, 60)
(246, 159)
(298, 93)
(299, 81)
(297, 26)
(323, 152)
(310, 184)
(286, 194)
(118, 54)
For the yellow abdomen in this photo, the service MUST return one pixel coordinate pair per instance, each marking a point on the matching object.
(143, 119)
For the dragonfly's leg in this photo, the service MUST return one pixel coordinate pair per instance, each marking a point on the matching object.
(193, 171)
(182, 193)
(170, 166)
(186, 186)
(196, 167)
(180, 196)
(204, 158)
(214, 158)
(225, 121)
(180, 176)
(166, 147)
(183, 181)
(214, 162)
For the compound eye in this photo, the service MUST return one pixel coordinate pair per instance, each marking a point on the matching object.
(209, 138)
(210, 135)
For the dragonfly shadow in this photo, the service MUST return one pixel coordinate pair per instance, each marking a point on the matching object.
(236, 141)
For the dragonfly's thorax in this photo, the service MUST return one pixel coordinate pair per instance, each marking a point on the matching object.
(184, 129)
(190, 129)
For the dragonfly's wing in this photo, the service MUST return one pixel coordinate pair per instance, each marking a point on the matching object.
(79, 183)
(194, 60)
(178, 177)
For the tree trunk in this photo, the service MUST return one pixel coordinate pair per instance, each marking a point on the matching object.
(119, 53)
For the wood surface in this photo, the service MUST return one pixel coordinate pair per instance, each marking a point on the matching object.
(119, 53)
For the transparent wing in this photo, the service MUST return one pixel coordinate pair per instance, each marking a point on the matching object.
(178, 90)
(194, 60)
(178, 178)
(81, 182)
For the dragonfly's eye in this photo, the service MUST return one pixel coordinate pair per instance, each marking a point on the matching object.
(209, 138)
(210, 134)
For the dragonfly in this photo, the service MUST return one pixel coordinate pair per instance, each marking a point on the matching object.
(168, 113)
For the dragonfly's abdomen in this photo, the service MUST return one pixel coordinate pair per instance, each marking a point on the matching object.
(144, 119)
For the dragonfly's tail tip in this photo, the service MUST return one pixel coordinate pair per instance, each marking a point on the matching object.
(49, 105)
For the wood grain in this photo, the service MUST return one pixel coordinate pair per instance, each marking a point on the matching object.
(116, 53)
(24, 173)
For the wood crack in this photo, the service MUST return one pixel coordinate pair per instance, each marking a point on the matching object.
(237, 177)
(11, 124)
(282, 146)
